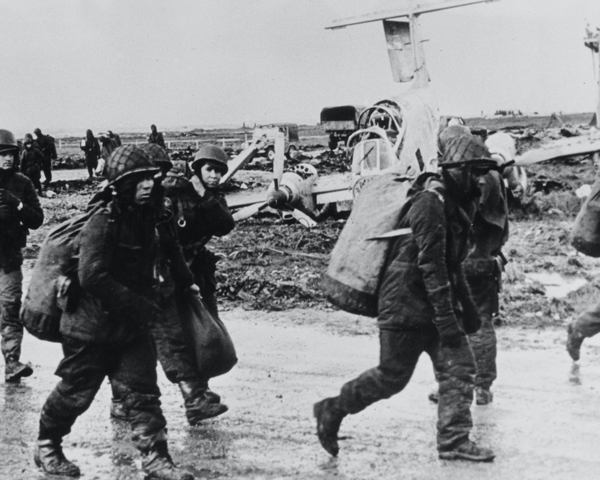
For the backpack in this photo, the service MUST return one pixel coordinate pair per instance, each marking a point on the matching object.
(359, 257)
(54, 279)
(586, 229)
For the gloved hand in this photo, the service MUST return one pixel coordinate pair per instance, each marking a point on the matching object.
(472, 318)
(7, 198)
(7, 213)
(450, 332)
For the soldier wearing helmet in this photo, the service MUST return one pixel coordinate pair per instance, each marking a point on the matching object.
(201, 212)
(485, 263)
(425, 305)
(20, 211)
(107, 334)
(32, 161)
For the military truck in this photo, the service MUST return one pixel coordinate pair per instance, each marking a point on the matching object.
(340, 122)
(268, 134)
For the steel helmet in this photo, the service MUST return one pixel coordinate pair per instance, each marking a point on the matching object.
(8, 142)
(212, 153)
(157, 154)
(126, 160)
(28, 138)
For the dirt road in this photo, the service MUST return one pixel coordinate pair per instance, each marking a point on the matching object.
(544, 422)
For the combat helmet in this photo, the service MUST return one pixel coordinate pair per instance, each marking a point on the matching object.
(158, 155)
(212, 153)
(8, 142)
(126, 160)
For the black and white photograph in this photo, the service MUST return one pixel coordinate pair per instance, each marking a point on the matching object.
(300, 239)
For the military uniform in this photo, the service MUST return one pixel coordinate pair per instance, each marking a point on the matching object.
(424, 305)
(15, 226)
(483, 269)
(32, 161)
(46, 145)
(108, 334)
(418, 302)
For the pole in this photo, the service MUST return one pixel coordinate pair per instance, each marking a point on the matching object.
(598, 79)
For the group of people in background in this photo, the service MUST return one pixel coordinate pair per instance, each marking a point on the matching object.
(98, 149)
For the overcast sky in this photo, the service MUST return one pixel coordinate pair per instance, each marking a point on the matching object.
(124, 64)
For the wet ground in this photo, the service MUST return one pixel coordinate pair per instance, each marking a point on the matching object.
(544, 422)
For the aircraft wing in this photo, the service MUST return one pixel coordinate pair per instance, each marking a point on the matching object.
(333, 188)
(418, 7)
(567, 149)
(244, 198)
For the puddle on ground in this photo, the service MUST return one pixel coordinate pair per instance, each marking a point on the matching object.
(557, 286)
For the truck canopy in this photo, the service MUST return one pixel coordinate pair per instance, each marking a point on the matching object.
(344, 117)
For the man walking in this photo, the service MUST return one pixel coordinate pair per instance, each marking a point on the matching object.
(20, 210)
(108, 333)
(425, 305)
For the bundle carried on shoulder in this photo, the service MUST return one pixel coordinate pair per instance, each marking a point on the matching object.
(358, 259)
(52, 279)
(586, 229)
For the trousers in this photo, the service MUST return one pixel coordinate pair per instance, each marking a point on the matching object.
(11, 291)
(399, 352)
(485, 293)
(131, 367)
(588, 323)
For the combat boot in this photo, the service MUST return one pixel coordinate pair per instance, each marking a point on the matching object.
(211, 396)
(468, 450)
(198, 406)
(574, 341)
(329, 419)
(15, 370)
(157, 464)
(483, 396)
(49, 457)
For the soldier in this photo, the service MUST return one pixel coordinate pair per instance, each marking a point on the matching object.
(107, 334)
(175, 354)
(425, 306)
(215, 219)
(483, 267)
(115, 137)
(46, 145)
(156, 137)
(91, 149)
(32, 161)
(19, 211)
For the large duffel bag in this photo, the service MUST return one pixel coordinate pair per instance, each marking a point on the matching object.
(213, 347)
(586, 229)
(53, 279)
(358, 258)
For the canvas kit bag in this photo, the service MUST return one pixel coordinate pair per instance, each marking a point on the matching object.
(52, 279)
(358, 259)
(213, 347)
(586, 229)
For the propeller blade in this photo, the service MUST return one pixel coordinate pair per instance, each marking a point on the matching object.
(303, 218)
(279, 159)
(249, 211)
